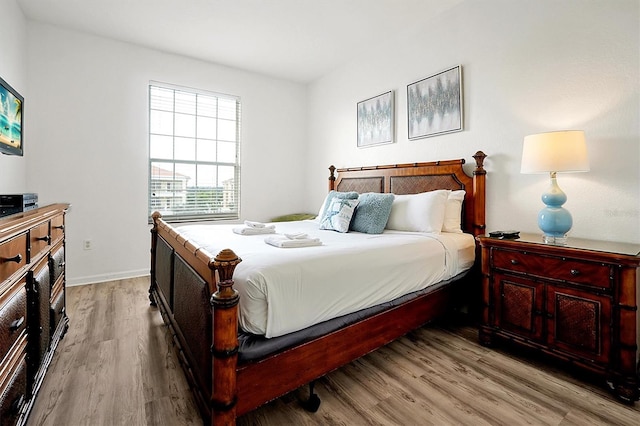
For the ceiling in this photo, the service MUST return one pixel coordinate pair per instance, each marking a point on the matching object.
(298, 40)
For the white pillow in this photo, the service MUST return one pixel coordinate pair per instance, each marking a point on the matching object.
(453, 212)
(422, 212)
(338, 215)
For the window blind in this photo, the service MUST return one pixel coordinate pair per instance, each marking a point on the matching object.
(194, 139)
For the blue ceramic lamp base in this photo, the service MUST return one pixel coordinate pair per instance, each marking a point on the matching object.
(554, 220)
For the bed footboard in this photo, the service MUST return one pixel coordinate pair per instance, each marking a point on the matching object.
(194, 293)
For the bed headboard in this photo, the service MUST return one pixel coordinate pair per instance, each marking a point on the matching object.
(413, 178)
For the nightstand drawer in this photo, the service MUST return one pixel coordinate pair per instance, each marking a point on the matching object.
(589, 273)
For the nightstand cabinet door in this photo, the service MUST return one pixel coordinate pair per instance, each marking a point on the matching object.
(519, 306)
(579, 323)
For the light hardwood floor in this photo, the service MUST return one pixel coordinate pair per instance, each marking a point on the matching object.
(116, 366)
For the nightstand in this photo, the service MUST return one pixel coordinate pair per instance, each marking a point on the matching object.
(577, 302)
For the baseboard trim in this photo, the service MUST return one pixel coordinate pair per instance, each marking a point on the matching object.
(96, 279)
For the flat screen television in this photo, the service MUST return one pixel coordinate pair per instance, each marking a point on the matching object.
(11, 107)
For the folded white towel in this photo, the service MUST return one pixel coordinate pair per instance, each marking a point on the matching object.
(284, 242)
(245, 230)
(252, 224)
(297, 236)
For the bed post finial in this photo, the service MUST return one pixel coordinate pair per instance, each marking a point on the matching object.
(332, 178)
(479, 157)
(225, 263)
(224, 304)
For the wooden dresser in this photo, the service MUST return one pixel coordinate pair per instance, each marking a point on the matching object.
(32, 304)
(578, 303)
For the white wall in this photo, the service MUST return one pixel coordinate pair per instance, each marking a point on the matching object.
(13, 70)
(529, 66)
(89, 145)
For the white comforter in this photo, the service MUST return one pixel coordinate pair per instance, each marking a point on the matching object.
(287, 289)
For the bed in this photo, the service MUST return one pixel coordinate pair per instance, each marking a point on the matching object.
(233, 370)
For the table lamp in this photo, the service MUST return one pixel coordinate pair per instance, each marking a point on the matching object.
(555, 152)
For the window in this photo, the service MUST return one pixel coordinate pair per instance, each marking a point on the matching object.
(194, 139)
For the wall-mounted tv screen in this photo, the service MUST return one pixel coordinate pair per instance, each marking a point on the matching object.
(11, 106)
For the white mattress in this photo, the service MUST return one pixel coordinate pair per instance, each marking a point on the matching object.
(287, 289)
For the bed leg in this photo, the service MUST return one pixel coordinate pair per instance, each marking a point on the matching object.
(313, 403)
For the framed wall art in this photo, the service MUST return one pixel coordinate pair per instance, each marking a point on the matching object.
(375, 120)
(434, 104)
(11, 107)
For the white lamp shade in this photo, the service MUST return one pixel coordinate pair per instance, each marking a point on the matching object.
(562, 151)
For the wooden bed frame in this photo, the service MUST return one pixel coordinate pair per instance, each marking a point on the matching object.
(194, 292)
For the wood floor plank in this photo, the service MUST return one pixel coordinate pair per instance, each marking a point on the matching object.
(115, 363)
(117, 366)
(490, 395)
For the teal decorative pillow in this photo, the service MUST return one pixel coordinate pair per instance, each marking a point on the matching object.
(372, 213)
(338, 215)
(330, 196)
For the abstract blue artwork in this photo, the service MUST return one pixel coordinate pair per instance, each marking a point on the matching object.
(375, 120)
(434, 104)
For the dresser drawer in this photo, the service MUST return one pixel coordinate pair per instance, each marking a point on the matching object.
(57, 308)
(56, 263)
(13, 256)
(40, 305)
(57, 228)
(13, 390)
(577, 271)
(39, 239)
(13, 316)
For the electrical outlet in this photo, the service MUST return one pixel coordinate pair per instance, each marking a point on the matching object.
(86, 245)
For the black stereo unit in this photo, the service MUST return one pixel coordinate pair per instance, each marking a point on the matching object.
(17, 203)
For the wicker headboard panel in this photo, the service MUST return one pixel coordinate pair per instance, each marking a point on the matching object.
(361, 185)
(421, 177)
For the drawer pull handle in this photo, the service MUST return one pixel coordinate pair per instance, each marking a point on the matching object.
(60, 227)
(45, 238)
(575, 272)
(16, 324)
(514, 262)
(17, 258)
